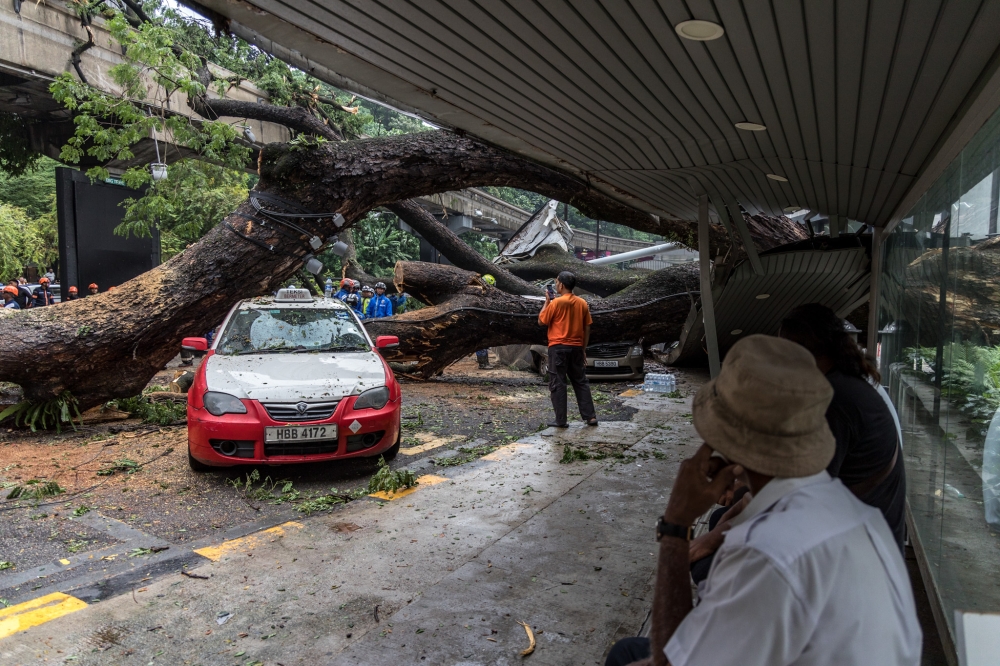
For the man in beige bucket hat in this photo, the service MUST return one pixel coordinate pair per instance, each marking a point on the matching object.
(807, 574)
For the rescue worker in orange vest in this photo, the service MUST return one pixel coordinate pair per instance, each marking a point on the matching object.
(10, 298)
(93, 289)
(73, 294)
(42, 296)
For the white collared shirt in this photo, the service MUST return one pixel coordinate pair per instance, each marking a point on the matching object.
(808, 576)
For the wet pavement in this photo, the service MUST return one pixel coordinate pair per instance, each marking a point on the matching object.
(441, 574)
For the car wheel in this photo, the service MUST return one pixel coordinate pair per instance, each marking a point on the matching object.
(543, 365)
(391, 452)
(197, 466)
(536, 360)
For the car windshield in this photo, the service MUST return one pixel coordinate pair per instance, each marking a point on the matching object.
(256, 330)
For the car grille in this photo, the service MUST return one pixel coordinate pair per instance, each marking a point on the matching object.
(290, 412)
(300, 448)
(608, 351)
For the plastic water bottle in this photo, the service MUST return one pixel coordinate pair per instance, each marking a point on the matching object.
(328, 289)
(660, 383)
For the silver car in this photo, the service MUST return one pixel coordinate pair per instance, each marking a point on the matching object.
(606, 360)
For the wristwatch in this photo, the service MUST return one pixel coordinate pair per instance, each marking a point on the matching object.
(663, 528)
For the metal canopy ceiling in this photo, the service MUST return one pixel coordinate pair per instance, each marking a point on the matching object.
(859, 98)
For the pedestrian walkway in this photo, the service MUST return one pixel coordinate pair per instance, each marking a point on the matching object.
(440, 575)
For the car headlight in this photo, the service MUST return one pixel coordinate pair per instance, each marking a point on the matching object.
(373, 398)
(637, 350)
(218, 404)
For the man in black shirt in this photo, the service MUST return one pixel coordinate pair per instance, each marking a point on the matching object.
(868, 459)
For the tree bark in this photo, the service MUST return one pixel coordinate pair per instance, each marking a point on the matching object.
(110, 345)
(457, 251)
(549, 261)
(293, 117)
(467, 314)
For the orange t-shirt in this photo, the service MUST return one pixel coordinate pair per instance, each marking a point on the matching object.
(566, 316)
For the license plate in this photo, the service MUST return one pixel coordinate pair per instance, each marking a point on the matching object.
(301, 433)
(605, 364)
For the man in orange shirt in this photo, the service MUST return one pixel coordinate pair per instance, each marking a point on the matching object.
(568, 319)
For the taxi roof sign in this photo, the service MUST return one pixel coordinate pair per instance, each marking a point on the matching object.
(293, 296)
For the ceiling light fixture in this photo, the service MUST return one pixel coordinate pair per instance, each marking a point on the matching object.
(761, 297)
(780, 179)
(751, 127)
(736, 331)
(699, 31)
(792, 209)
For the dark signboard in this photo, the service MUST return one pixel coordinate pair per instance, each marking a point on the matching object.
(89, 249)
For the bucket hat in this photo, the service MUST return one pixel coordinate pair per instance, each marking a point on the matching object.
(767, 409)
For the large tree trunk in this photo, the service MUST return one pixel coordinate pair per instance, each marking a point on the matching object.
(468, 315)
(110, 345)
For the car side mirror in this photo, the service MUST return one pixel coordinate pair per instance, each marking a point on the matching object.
(194, 344)
(386, 341)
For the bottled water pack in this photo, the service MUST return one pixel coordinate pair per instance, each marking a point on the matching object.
(660, 383)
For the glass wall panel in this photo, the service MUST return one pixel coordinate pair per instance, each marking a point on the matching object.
(939, 354)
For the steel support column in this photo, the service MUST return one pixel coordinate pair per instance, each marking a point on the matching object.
(873, 291)
(707, 304)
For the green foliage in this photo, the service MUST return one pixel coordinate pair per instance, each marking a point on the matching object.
(389, 480)
(970, 377)
(193, 198)
(159, 413)
(123, 465)
(81, 510)
(25, 240)
(108, 125)
(34, 191)
(466, 454)
(283, 491)
(35, 489)
(572, 455)
(16, 156)
(4, 565)
(380, 243)
(44, 414)
(484, 245)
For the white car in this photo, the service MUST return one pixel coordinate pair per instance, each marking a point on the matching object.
(291, 379)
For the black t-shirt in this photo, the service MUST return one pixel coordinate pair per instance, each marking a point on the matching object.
(866, 442)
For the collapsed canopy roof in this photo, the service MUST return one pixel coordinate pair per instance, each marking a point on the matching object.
(860, 101)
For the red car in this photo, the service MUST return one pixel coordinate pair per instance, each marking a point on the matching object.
(291, 379)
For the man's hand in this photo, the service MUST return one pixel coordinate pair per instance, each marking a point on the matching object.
(700, 482)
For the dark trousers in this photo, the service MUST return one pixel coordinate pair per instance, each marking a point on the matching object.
(566, 361)
(628, 650)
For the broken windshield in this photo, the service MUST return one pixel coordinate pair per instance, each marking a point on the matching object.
(257, 330)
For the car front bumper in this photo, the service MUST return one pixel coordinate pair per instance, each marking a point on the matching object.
(378, 431)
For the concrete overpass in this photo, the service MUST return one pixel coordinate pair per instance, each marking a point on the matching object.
(37, 41)
(36, 45)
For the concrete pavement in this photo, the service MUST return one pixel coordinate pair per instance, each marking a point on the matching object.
(441, 575)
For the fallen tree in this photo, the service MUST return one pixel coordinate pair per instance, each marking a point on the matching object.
(105, 347)
(467, 314)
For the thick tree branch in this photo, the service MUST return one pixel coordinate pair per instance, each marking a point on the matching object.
(405, 166)
(293, 117)
(467, 315)
(456, 250)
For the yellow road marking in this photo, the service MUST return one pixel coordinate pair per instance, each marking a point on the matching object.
(64, 562)
(37, 611)
(631, 393)
(506, 451)
(248, 542)
(425, 480)
(430, 442)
